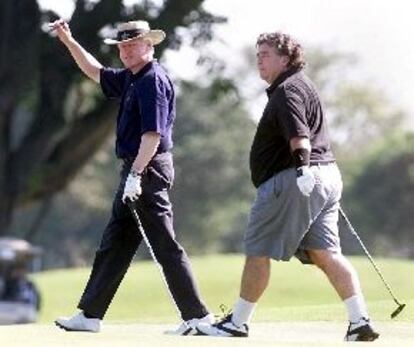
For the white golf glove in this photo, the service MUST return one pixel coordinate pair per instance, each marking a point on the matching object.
(305, 180)
(132, 189)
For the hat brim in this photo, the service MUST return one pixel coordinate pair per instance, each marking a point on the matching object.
(156, 37)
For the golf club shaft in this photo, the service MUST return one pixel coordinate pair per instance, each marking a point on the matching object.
(148, 244)
(351, 228)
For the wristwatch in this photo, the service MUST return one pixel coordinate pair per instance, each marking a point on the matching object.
(135, 173)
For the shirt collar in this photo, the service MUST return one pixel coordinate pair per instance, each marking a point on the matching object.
(148, 66)
(283, 76)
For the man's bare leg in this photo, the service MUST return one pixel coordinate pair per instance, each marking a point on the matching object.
(255, 278)
(344, 279)
(254, 281)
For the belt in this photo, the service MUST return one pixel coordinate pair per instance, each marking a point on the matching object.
(127, 160)
(130, 160)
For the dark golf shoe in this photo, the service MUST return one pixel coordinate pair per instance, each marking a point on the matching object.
(361, 331)
(224, 328)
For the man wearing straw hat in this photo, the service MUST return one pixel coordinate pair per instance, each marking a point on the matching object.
(143, 142)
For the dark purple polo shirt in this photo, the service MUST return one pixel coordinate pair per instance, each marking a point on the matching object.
(147, 104)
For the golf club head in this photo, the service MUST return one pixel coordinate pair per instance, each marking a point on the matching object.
(398, 310)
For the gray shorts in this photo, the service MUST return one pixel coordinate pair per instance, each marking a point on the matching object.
(283, 222)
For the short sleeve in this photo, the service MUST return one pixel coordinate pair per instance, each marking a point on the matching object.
(154, 105)
(293, 118)
(113, 81)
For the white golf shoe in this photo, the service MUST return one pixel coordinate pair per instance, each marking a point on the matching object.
(190, 327)
(79, 323)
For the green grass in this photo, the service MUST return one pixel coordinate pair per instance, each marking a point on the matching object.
(296, 292)
(299, 308)
(291, 334)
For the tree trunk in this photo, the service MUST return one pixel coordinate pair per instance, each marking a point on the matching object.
(19, 21)
(40, 217)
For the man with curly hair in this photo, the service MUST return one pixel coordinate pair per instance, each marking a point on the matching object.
(299, 186)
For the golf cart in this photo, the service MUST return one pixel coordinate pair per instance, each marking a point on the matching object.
(19, 297)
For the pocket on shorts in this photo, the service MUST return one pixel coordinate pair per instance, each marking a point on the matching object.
(270, 189)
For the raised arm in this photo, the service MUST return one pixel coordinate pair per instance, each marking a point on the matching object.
(86, 61)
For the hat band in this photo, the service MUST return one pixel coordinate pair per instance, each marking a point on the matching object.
(129, 34)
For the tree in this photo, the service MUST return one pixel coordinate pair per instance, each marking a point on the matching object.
(381, 197)
(212, 191)
(52, 120)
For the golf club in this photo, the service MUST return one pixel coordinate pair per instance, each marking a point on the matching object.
(353, 232)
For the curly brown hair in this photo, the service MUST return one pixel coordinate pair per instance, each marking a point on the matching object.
(284, 45)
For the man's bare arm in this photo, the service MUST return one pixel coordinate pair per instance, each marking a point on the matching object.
(147, 149)
(299, 142)
(86, 61)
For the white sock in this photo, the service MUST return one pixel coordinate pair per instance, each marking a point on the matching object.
(243, 312)
(356, 307)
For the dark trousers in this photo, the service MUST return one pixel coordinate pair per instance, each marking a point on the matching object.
(121, 239)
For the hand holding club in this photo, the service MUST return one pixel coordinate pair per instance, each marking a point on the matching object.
(132, 189)
(305, 180)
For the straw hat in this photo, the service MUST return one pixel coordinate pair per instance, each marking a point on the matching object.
(133, 30)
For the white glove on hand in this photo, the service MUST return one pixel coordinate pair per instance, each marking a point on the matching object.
(132, 189)
(305, 180)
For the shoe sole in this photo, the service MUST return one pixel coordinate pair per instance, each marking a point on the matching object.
(370, 337)
(365, 337)
(238, 335)
(62, 326)
(68, 329)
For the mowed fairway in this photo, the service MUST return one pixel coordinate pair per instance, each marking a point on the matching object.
(323, 334)
(299, 308)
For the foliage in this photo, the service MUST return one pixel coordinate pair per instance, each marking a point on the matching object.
(362, 115)
(381, 196)
(212, 190)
